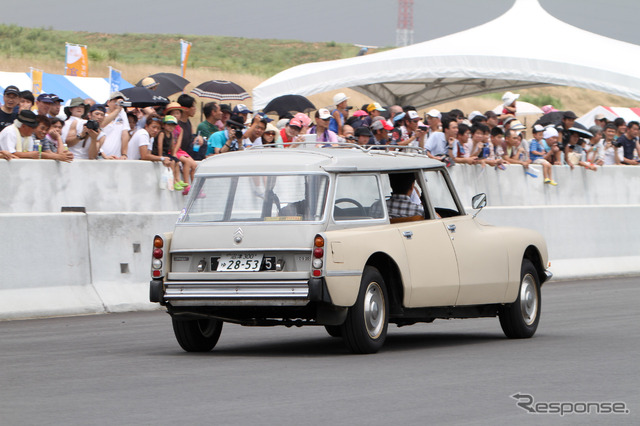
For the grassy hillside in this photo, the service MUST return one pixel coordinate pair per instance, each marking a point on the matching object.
(247, 62)
(223, 54)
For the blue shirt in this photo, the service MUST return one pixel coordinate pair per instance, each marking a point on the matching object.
(534, 145)
(437, 144)
(217, 140)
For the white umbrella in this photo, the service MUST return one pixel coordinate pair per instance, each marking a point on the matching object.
(522, 108)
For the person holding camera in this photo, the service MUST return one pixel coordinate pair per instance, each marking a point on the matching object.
(229, 139)
(114, 137)
(73, 133)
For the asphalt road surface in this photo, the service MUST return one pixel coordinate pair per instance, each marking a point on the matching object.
(128, 369)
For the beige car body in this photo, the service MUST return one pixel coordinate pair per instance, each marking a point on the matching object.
(436, 262)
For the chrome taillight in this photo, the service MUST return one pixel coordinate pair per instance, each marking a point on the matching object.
(317, 261)
(157, 264)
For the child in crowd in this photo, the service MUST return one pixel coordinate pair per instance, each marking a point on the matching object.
(166, 146)
(537, 153)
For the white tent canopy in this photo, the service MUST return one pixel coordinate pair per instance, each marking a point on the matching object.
(525, 47)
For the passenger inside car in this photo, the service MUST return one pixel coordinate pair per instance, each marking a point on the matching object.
(400, 204)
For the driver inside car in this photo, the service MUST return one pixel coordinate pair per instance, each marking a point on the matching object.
(400, 203)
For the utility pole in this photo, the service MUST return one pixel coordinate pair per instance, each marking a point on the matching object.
(404, 31)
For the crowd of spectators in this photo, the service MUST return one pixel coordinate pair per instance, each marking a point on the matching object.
(36, 128)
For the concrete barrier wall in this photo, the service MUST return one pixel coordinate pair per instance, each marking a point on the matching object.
(132, 186)
(54, 263)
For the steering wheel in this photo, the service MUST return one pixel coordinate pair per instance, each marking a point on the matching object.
(360, 207)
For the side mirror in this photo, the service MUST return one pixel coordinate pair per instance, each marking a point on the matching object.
(478, 202)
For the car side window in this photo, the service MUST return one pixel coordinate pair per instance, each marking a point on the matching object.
(440, 194)
(357, 198)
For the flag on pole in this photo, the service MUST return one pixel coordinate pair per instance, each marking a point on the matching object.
(36, 79)
(77, 60)
(185, 48)
(114, 79)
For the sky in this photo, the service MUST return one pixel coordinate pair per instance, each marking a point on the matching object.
(367, 22)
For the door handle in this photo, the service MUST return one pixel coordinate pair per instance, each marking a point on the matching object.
(451, 227)
(407, 234)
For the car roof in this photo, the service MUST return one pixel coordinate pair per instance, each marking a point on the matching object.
(340, 159)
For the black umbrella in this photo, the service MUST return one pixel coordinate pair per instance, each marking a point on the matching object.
(552, 118)
(288, 103)
(141, 97)
(168, 83)
(221, 90)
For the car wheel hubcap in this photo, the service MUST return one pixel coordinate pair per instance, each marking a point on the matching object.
(374, 314)
(529, 299)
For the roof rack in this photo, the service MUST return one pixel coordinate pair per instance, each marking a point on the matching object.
(390, 149)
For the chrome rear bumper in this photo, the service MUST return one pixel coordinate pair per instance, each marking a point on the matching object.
(238, 293)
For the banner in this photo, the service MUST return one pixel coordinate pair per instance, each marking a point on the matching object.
(115, 76)
(77, 60)
(36, 78)
(185, 48)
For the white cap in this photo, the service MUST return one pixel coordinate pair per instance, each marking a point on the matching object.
(434, 113)
(509, 98)
(324, 113)
(549, 133)
(475, 114)
(338, 98)
(412, 114)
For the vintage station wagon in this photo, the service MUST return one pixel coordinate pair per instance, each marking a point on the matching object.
(304, 237)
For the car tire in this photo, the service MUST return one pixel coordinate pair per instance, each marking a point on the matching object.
(334, 330)
(365, 329)
(199, 335)
(519, 320)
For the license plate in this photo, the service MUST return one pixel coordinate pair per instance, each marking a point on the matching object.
(239, 262)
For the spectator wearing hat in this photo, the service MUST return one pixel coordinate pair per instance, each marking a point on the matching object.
(17, 138)
(374, 109)
(243, 111)
(26, 100)
(43, 104)
(149, 83)
(509, 105)
(73, 133)
(114, 137)
(408, 134)
(433, 119)
(10, 101)
(537, 153)
(363, 135)
(325, 137)
(595, 149)
(225, 111)
(289, 133)
(629, 143)
(339, 114)
(600, 120)
(229, 139)
(166, 143)
(380, 129)
(56, 106)
(568, 120)
(188, 102)
(271, 137)
(577, 155)
(493, 119)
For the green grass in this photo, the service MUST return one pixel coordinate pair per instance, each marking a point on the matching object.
(230, 54)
